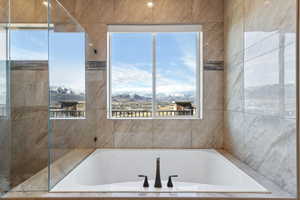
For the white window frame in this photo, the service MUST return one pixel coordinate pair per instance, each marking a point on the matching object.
(154, 29)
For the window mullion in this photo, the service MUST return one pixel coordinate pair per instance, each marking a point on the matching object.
(200, 74)
(153, 75)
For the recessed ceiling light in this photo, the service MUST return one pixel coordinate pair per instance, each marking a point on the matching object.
(45, 3)
(150, 4)
(267, 2)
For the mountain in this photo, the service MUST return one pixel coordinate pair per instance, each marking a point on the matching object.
(160, 97)
(58, 94)
(128, 98)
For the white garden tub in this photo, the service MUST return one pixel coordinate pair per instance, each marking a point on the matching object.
(117, 170)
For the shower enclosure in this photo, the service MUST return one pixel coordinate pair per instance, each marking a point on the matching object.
(42, 58)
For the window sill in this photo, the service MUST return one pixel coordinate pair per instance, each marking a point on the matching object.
(68, 118)
(155, 118)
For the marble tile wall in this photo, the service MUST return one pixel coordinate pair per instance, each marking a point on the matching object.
(5, 155)
(260, 87)
(94, 15)
(29, 100)
(28, 11)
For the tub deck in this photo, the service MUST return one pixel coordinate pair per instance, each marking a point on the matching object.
(37, 186)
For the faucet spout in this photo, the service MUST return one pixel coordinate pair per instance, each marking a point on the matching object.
(157, 183)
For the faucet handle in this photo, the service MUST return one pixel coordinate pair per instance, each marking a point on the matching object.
(146, 184)
(170, 184)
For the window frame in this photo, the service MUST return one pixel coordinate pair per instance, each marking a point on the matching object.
(154, 29)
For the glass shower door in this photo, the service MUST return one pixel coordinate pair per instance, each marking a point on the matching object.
(4, 99)
(67, 102)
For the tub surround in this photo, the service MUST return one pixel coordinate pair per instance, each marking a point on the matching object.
(63, 165)
(77, 155)
(94, 17)
(260, 101)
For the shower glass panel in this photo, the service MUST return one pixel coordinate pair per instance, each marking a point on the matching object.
(28, 50)
(4, 99)
(67, 64)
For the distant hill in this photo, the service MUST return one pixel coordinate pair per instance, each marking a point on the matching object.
(128, 97)
(65, 94)
(140, 98)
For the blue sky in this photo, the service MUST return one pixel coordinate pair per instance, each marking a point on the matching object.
(132, 63)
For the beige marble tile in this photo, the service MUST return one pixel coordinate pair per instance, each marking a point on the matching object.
(213, 90)
(172, 11)
(68, 27)
(94, 11)
(234, 124)
(172, 133)
(4, 11)
(208, 11)
(29, 76)
(29, 94)
(264, 143)
(95, 75)
(282, 152)
(262, 155)
(208, 132)
(213, 41)
(104, 130)
(28, 11)
(234, 87)
(5, 154)
(29, 88)
(29, 133)
(233, 27)
(73, 133)
(290, 133)
(69, 5)
(132, 11)
(132, 133)
(96, 89)
(269, 16)
(60, 14)
(97, 39)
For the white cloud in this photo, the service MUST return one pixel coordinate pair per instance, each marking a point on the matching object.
(189, 61)
(26, 54)
(131, 78)
(64, 77)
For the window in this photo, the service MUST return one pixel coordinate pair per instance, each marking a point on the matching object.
(67, 74)
(154, 71)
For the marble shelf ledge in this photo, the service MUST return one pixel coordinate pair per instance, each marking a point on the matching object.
(27, 190)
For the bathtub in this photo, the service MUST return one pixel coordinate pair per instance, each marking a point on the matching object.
(117, 170)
